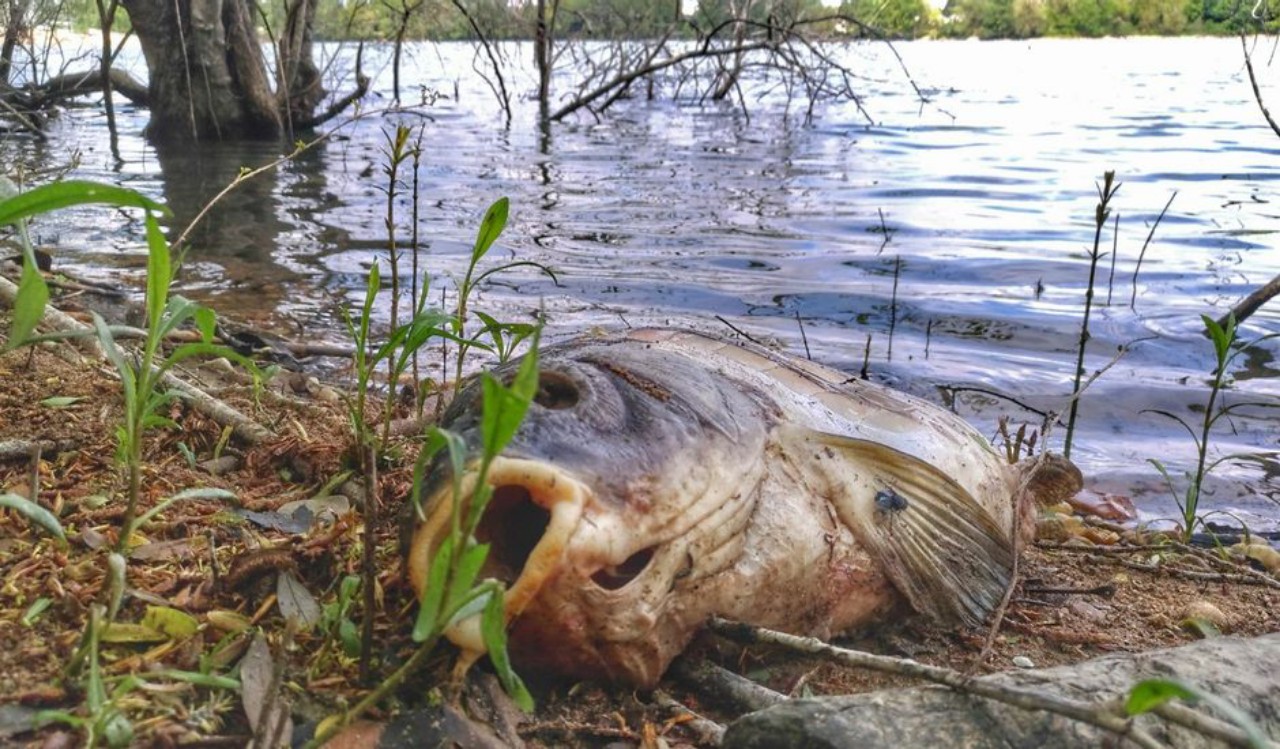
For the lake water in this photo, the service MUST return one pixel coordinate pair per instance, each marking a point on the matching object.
(680, 214)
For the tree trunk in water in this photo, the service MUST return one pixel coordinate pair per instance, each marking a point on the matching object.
(542, 57)
(15, 29)
(209, 79)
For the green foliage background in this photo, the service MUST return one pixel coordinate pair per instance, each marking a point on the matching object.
(439, 20)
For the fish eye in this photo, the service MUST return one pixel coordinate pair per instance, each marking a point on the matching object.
(556, 391)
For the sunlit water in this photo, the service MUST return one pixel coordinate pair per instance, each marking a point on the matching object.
(683, 214)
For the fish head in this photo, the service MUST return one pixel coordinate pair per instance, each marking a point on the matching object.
(626, 488)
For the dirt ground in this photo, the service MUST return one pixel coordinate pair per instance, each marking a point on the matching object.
(217, 562)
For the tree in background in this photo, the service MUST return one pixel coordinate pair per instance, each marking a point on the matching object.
(893, 19)
(985, 19)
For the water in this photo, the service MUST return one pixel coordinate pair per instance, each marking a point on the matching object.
(681, 214)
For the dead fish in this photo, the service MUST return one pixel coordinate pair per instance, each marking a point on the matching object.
(662, 477)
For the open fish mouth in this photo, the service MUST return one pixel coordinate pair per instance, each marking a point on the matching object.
(534, 512)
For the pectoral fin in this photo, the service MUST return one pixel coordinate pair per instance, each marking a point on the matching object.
(938, 545)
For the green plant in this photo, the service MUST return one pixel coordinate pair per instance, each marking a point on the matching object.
(140, 378)
(505, 336)
(405, 340)
(1106, 191)
(1223, 337)
(452, 591)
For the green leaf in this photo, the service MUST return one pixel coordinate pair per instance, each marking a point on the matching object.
(347, 590)
(71, 192)
(464, 575)
(209, 681)
(117, 572)
(116, 728)
(495, 220)
(123, 368)
(349, 636)
(504, 407)
(125, 632)
(61, 401)
(159, 272)
(493, 628)
(518, 264)
(35, 513)
(28, 307)
(206, 323)
(33, 612)
(1151, 693)
(428, 622)
(178, 625)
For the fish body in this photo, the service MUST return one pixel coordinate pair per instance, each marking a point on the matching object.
(662, 477)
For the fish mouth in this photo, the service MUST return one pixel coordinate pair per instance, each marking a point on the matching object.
(534, 511)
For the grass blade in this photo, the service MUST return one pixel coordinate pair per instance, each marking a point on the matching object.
(35, 513)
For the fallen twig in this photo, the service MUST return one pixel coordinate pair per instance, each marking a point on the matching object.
(1253, 302)
(1216, 577)
(709, 732)
(24, 449)
(726, 686)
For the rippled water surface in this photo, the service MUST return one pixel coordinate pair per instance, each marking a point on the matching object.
(981, 202)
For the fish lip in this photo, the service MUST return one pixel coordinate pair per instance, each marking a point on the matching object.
(562, 495)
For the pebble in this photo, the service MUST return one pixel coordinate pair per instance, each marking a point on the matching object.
(1087, 611)
(1058, 527)
(1101, 536)
(1204, 611)
(1022, 661)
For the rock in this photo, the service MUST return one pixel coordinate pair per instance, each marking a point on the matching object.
(1022, 661)
(1240, 671)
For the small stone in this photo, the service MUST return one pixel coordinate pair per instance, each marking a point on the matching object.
(1201, 611)
(1261, 553)
(1101, 536)
(1058, 527)
(1022, 661)
(1088, 611)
